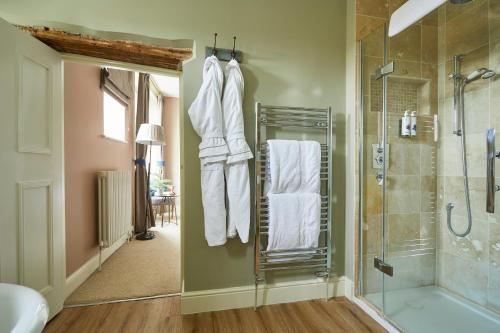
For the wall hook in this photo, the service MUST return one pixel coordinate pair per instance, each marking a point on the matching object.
(233, 52)
(214, 50)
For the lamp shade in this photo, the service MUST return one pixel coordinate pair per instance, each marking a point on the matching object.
(150, 134)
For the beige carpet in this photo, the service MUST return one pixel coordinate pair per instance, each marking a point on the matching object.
(137, 269)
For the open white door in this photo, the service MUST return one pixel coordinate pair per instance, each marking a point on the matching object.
(31, 166)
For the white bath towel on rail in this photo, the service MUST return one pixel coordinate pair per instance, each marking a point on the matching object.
(294, 221)
(294, 166)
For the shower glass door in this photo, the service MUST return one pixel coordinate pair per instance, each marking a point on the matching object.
(409, 231)
(370, 283)
(399, 181)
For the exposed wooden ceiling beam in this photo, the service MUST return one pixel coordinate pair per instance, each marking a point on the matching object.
(117, 50)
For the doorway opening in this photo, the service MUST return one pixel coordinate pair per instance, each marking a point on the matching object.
(101, 106)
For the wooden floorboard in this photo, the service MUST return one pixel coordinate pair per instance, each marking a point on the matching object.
(163, 315)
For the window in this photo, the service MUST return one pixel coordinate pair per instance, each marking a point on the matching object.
(155, 114)
(114, 118)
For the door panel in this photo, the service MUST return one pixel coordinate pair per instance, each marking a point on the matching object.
(31, 181)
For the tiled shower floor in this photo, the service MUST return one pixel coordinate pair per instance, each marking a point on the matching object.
(432, 309)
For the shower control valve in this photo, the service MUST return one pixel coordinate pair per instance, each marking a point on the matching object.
(378, 155)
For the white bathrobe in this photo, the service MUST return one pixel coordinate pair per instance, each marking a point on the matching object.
(236, 169)
(206, 117)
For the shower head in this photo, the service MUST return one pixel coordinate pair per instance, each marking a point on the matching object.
(488, 75)
(459, 2)
(483, 73)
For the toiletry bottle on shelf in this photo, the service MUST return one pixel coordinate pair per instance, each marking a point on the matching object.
(405, 124)
(413, 123)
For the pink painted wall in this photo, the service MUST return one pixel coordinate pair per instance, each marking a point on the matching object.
(86, 152)
(172, 149)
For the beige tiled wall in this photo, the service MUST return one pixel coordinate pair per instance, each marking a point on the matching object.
(469, 266)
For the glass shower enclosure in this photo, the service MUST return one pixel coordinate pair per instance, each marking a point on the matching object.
(412, 268)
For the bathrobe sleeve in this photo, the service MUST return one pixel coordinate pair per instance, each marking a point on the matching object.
(236, 168)
(232, 106)
(206, 114)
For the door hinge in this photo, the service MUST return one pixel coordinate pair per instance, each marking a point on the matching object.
(383, 266)
(384, 70)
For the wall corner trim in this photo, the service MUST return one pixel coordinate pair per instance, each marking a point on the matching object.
(282, 292)
(78, 277)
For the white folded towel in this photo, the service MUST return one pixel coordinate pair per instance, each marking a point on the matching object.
(294, 221)
(294, 166)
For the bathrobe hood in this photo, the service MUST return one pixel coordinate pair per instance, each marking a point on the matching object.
(232, 102)
(206, 113)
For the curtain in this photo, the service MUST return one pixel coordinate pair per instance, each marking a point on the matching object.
(142, 198)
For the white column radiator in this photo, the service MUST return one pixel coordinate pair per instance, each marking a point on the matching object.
(114, 207)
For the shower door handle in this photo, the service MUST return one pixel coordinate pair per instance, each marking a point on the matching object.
(491, 155)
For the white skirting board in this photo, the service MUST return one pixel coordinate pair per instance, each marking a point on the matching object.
(283, 292)
(76, 279)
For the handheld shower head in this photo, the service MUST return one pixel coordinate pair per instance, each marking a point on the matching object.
(483, 73)
(488, 75)
(476, 74)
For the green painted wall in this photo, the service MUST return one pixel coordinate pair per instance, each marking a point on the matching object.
(294, 55)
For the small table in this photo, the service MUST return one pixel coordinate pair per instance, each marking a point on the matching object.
(167, 200)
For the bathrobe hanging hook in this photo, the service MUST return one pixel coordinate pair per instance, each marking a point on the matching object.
(233, 52)
(214, 50)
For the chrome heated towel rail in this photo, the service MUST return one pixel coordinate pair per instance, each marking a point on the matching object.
(292, 122)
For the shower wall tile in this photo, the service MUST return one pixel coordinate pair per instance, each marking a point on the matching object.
(494, 245)
(428, 159)
(494, 59)
(430, 43)
(365, 25)
(454, 192)
(451, 154)
(403, 194)
(472, 247)
(477, 106)
(373, 44)
(377, 8)
(468, 278)
(373, 196)
(430, 72)
(467, 31)
(370, 64)
(402, 228)
(411, 271)
(428, 228)
(404, 159)
(371, 122)
(372, 235)
(407, 45)
(476, 154)
(494, 20)
(493, 291)
(405, 68)
(431, 19)
(428, 194)
(395, 4)
(453, 11)
(369, 140)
